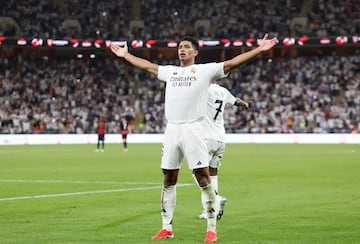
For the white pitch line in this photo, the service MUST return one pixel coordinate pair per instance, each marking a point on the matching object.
(78, 182)
(83, 193)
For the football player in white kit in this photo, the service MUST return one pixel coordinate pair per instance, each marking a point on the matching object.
(186, 95)
(214, 131)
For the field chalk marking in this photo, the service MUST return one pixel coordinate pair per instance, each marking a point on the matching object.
(79, 182)
(85, 193)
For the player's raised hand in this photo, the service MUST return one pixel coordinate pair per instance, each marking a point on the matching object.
(241, 103)
(119, 51)
(245, 105)
(267, 44)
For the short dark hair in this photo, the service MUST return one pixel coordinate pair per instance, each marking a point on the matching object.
(193, 41)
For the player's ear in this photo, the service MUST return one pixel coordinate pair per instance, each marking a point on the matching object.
(196, 52)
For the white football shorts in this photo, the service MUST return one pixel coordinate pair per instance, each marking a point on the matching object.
(216, 150)
(184, 141)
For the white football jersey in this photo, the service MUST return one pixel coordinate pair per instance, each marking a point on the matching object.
(187, 89)
(214, 119)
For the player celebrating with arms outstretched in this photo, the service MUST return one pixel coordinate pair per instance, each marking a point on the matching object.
(185, 106)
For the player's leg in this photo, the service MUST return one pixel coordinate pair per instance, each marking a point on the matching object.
(98, 144)
(168, 197)
(214, 166)
(212, 147)
(168, 203)
(170, 164)
(214, 178)
(217, 152)
(198, 161)
(208, 194)
(204, 212)
(124, 139)
(102, 146)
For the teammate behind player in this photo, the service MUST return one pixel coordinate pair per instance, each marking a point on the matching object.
(214, 130)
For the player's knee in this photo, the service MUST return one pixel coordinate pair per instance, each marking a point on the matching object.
(204, 181)
(213, 171)
(170, 177)
(202, 177)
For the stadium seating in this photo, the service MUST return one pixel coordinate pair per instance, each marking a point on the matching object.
(66, 95)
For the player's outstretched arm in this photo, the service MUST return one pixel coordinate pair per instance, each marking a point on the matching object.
(123, 52)
(265, 45)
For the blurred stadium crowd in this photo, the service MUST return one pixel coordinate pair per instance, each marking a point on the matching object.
(169, 19)
(318, 94)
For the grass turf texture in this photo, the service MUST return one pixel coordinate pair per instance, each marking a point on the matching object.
(282, 193)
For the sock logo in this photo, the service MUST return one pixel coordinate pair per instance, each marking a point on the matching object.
(199, 163)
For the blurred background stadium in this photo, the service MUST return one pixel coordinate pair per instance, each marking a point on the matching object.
(58, 76)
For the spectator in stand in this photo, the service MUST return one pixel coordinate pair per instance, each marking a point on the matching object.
(302, 87)
(227, 19)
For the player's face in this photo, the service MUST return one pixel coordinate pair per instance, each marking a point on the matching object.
(186, 52)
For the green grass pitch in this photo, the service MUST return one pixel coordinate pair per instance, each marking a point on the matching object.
(278, 193)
